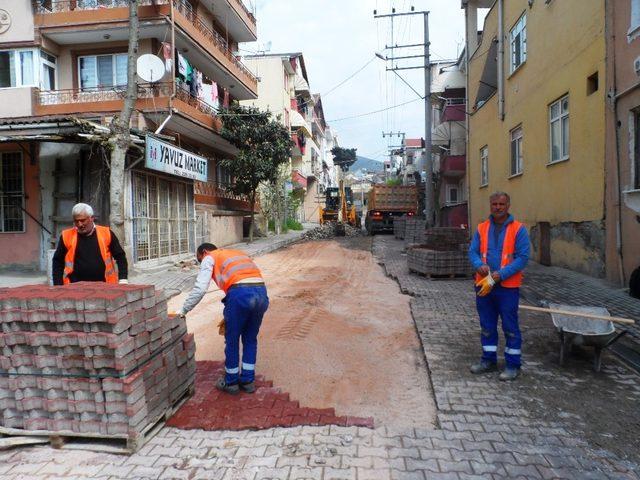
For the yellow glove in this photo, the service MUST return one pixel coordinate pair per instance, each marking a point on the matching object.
(222, 327)
(486, 285)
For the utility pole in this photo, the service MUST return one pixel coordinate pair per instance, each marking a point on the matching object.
(429, 204)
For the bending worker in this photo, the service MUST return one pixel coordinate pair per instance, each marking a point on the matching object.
(88, 252)
(245, 303)
(499, 252)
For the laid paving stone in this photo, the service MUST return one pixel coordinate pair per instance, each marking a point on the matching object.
(268, 407)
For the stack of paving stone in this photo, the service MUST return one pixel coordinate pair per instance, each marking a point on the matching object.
(90, 359)
(441, 253)
(414, 231)
(399, 225)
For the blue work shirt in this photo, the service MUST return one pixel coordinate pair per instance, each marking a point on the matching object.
(494, 251)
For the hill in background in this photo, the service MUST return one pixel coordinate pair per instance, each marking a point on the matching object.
(369, 164)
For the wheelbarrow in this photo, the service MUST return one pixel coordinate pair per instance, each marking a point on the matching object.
(583, 331)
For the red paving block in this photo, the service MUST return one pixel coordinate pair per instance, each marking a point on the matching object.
(269, 407)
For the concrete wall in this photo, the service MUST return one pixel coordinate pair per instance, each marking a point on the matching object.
(20, 13)
(569, 195)
(22, 250)
(623, 200)
(16, 102)
(223, 229)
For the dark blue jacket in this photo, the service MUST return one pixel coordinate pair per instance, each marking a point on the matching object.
(494, 252)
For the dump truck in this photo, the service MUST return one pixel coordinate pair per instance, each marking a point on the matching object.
(385, 202)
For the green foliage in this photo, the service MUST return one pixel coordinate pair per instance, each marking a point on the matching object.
(264, 145)
(394, 182)
(293, 224)
(344, 157)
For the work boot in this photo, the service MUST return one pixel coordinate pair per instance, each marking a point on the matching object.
(483, 366)
(221, 385)
(248, 387)
(509, 374)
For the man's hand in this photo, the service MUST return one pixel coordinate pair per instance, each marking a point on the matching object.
(496, 276)
(483, 270)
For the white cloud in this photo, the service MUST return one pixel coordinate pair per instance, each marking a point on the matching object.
(337, 37)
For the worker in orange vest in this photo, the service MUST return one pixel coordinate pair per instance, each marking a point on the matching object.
(499, 252)
(245, 303)
(88, 252)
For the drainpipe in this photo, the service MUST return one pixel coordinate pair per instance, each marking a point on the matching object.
(615, 99)
(500, 59)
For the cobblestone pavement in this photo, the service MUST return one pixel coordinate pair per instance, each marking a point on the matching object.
(560, 285)
(487, 430)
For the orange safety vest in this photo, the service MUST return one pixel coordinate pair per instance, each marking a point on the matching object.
(231, 266)
(70, 239)
(508, 249)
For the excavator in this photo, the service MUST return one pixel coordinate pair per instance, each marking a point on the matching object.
(339, 208)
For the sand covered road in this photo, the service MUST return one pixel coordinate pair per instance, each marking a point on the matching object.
(338, 333)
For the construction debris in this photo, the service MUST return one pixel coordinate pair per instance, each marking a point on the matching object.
(328, 230)
(90, 359)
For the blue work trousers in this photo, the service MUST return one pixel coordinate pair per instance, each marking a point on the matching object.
(501, 302)
(244, 308)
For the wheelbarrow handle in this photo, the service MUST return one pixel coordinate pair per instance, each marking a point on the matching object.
(626, 321)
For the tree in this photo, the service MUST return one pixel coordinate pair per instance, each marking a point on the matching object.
(264, 144)
(344, 157)
(120, 139)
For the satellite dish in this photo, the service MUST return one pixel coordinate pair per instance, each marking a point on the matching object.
(150, 68)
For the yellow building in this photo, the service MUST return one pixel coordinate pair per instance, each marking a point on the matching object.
(536, 98)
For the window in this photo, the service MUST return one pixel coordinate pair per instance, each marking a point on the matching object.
(452, 194)
(48, 72)
(559, 130)
(16, 68)
(98, 71)
(223, 176)
(11, 192)
(635, 16)
(516, 151)
(519, 43)
(592, 83)
(484, 166)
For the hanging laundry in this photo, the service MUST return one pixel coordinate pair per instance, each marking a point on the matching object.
(198, 82)
(225, 101)
(214, 92)
(183, 66)
(166, 53)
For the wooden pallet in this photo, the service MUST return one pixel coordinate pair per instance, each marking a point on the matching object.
(95, 442)
(442, 276)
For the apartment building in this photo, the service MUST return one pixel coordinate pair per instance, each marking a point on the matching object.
(537, 99)
(448, 102)
(284, 90)
(63, 71)
(623, 140)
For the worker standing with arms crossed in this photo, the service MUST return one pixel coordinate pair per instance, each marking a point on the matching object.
(499, 252)
(245, 303)
(88, 252)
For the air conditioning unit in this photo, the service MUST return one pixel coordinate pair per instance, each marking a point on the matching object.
(636, 66)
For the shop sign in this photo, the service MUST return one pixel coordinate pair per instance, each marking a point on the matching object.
(164, 157)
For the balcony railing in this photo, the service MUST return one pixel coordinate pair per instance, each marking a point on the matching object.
(100, 94)
(246, 10)
(105, 94)
(187, 11)
(57, 6)
(219, 190)
(455, 101)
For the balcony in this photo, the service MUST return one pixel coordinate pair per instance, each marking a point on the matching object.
(74, 22)
(151, 97)
(454, 110)
(236, 17)
(453, 166)
(219, 194)
(211, 44)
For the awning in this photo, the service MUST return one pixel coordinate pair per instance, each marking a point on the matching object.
(298, 178)
(297, 120)
(300, 84)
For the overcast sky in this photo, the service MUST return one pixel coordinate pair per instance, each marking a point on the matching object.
(338, 37)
